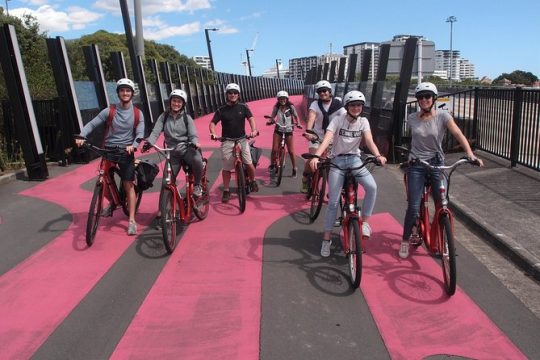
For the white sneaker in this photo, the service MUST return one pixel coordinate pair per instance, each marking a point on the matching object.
(366, 230)
(404, 249)
(132, 228)
(325, 248)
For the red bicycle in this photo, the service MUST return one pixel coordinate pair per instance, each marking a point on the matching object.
(177, 209)
(437, 235)
(316, 184)
(108, 185)
(242, 187)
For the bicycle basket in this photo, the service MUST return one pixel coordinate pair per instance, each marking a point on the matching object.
(255, 154)
(146, 171)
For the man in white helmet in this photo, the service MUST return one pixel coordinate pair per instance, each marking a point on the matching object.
(124, 123)
(320, 113)
(233, 116)
(179, 130)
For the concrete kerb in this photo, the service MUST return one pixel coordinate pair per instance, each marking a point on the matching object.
(510, 249)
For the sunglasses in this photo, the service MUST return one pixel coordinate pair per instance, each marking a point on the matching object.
(322, 91)
(233, 93)
(426, 96)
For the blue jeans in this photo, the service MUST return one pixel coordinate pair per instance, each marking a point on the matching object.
(335, 183)
(417, 176)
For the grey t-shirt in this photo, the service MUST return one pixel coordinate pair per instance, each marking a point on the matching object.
(347, 135)
(427, 135)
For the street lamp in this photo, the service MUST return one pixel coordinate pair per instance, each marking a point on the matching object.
(451, 20)
(278, 61)
(209, 48)
(7, 9)
(248, 61)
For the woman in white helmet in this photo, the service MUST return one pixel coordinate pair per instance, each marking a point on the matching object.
(178, 129)
(320, 113)
(345, 132)
(124, 123)
(287, 117)
(427, 127)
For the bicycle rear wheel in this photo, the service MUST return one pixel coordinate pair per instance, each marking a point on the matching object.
(281, 164)
(317, 196)
(448, 254)
(202, 203)
(169, 220)
(241, 187)
(354, 256)
(94, 214)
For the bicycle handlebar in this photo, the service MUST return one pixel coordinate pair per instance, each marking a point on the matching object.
(222, 138)
(416, 160)
(326, 162)
(99, 150)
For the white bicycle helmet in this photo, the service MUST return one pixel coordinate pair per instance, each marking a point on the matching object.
(232, 86)
(426, 87)
(323, 84)
(125, 82)
(282, 94)
(180, 93)
(352, 96)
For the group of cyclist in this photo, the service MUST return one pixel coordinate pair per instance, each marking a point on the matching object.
(338, 123)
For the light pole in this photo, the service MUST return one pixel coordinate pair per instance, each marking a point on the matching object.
(209, 48)
(277, 67)
(451, 20)
(7, 9)
(248, 61)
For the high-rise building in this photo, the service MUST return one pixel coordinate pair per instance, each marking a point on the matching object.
(203, 61)
(299, 67)
(359, 49)
(442, 63)
(466, 70)
(424, 58)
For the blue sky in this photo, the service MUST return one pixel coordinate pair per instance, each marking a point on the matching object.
(496, 36)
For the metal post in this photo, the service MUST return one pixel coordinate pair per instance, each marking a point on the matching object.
(451, 20)
(209, 47)
(277, 67)
(248, 61)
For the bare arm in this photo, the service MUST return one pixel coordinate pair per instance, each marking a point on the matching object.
(456, 132)
(368, 138)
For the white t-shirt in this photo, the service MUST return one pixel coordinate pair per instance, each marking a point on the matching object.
(317, 127)
(347, 135)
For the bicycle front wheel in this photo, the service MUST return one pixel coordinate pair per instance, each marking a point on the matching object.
(317, 196)
(448, 254)
(115, 176)
(94, 214)
(169, 220)
(281, 164)
(202, 203)
(241, 187)
(354, 256)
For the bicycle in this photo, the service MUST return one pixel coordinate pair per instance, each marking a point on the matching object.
(316, 185)
(109, 185)
(174, 207)
(437, 235)
(278, 162)
(242, 187)
(350, 217)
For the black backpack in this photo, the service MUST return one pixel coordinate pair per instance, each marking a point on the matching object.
(146, 171)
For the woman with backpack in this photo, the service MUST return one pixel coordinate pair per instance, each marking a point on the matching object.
(178, 129)
(287, 118)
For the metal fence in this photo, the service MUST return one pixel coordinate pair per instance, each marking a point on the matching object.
(503, 122)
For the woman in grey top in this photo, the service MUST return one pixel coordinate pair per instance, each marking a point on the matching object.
(178, 129)
(428, 127)
(288, 119)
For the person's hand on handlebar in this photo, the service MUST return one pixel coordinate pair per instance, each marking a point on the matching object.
(131, 149)
(254, 133)
(213, 137)
(298, 126)
(381, 160)
(475, 160)
(309, 136)
(79, 141)
(314, 163)
(146, 147)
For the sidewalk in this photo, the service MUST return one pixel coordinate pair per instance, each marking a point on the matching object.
(503, 205)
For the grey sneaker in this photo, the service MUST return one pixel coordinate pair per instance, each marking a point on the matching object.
(294, 171)
(197, 191)
(132, 228)
(226, 196)
(325, 248)
(366, 230)
(107, 212)
(404, 249)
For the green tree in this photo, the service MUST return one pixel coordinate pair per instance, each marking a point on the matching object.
(517, 77)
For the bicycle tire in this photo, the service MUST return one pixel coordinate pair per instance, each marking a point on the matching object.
(281, 164)
(241, 187)
(354, 256)
(115, 177)
(94, 214)
(169, 220)
(317, 196)
(448, 254)
(202, 203)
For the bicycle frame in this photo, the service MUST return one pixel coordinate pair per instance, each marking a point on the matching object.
(350, 208)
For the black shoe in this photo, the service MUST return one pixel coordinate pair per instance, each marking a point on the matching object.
(156, 223)
(254, 187)
(226, 196)
(294, 173)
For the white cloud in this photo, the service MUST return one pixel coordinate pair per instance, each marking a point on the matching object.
(164, 32)
(52, 20)
(222, 25)
(150, 7)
